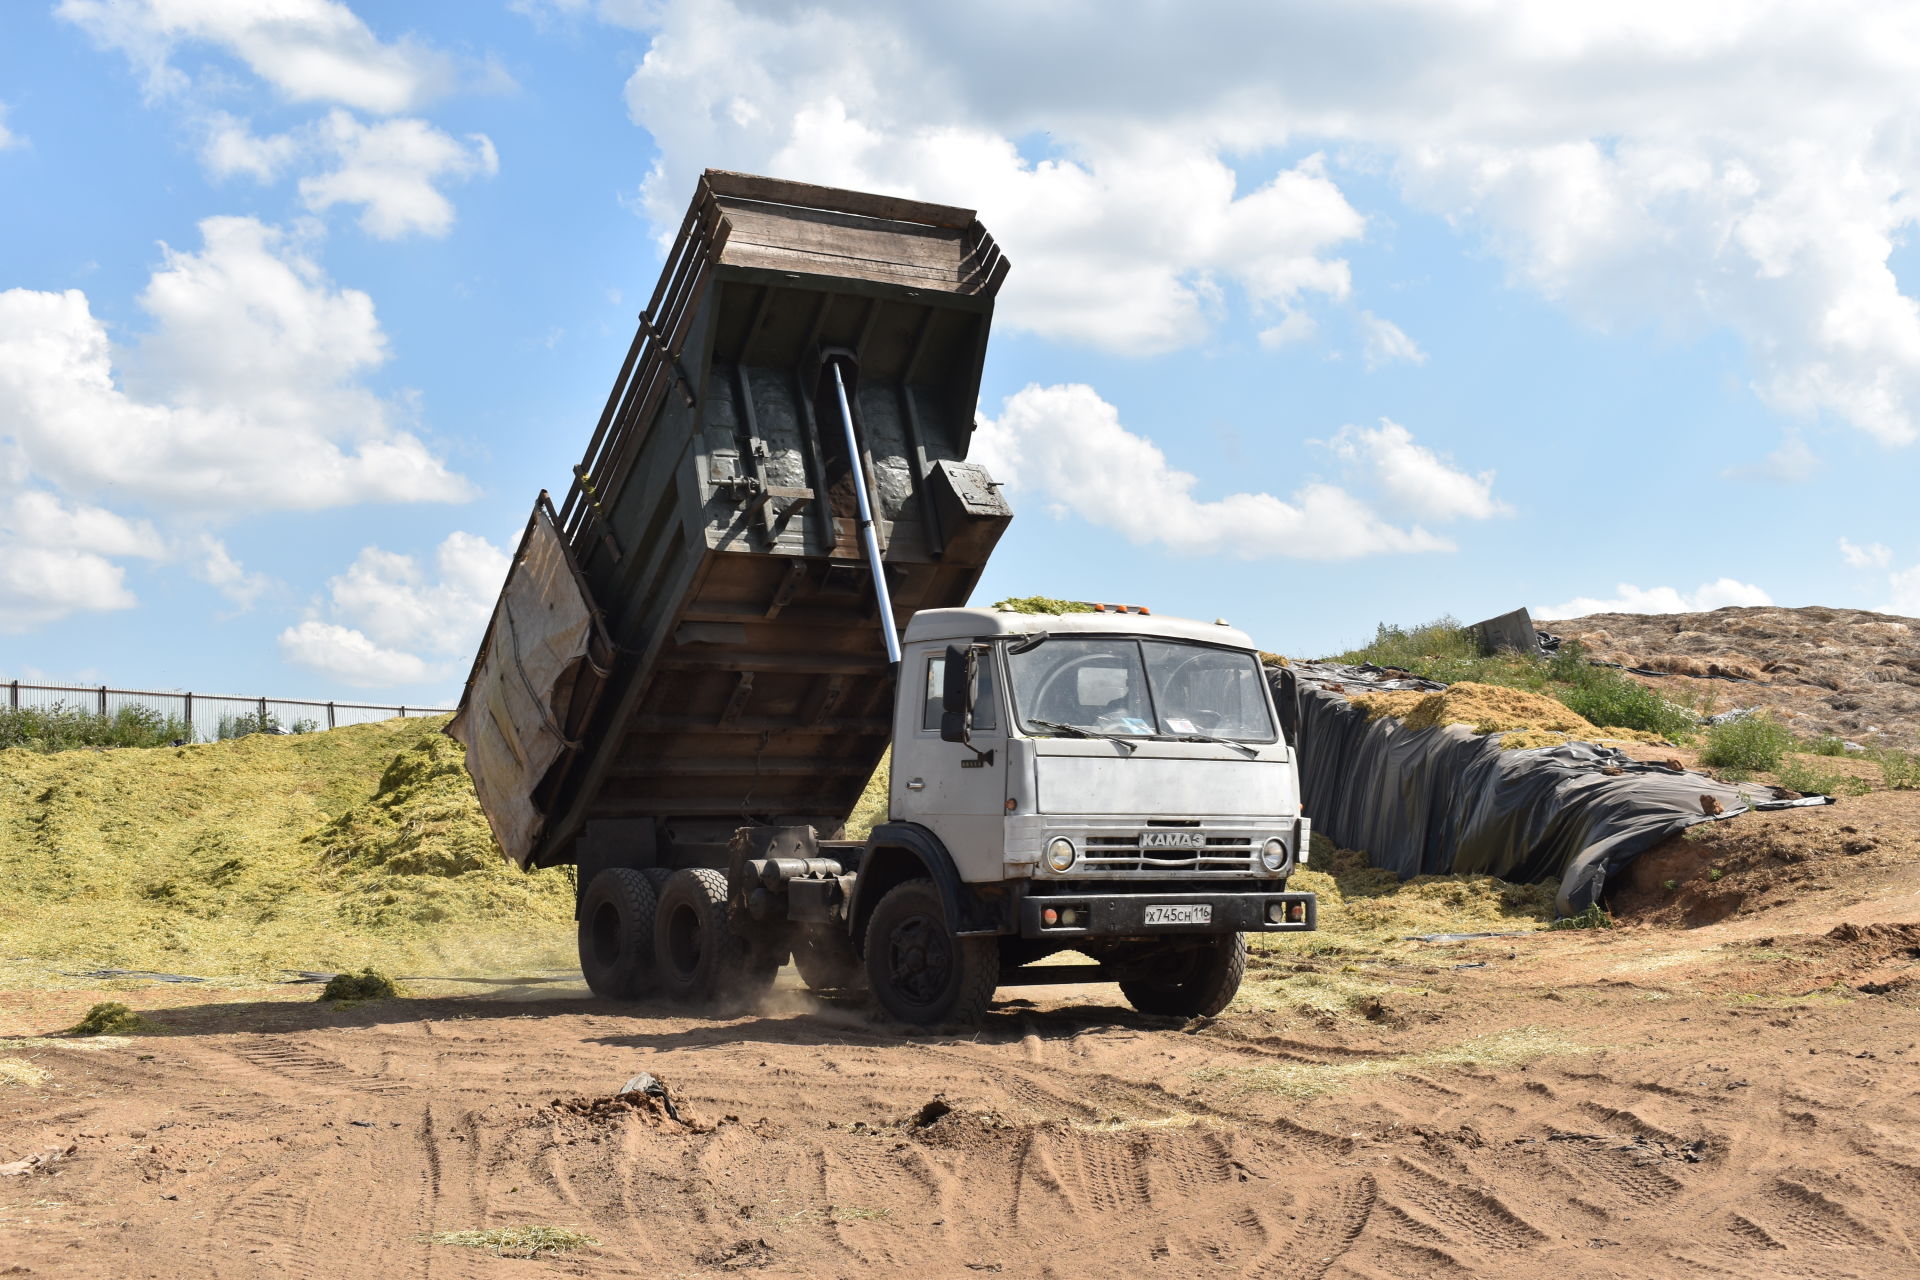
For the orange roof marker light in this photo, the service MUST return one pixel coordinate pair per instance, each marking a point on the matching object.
(1123, 608)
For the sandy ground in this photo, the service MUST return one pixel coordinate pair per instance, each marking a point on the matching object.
(1735, 1100)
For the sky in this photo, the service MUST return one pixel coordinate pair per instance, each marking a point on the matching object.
(1319, 317)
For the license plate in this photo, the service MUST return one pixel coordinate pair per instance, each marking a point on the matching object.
(1185, 913)
(1173, 840)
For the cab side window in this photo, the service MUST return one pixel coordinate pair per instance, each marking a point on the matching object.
(985, 712)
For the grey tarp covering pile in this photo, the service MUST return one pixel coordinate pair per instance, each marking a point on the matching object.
(522, 684)
(1448, 800)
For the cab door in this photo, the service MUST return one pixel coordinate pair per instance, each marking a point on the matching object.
(942, 785)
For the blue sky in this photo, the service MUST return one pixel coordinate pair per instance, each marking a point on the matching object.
(1318, 318)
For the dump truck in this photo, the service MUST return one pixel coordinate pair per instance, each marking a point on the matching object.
(757, 584)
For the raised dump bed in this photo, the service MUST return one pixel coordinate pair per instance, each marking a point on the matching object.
(690, 642)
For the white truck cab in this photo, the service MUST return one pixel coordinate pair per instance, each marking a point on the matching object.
(1114, 783)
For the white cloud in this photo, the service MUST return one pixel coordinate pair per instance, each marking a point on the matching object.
(1415, 477)
(391, 623)
(1066, 445)
(8, 138)
(1904, 584)
(1386, 344)
(1744, 168)
(54, 560)
(1294, 326)
(349, 656)
(1875, 555)
(245, 394)
(310, 50)
(1717, 594)
(217, 568)
(392, 169)
(232, 148)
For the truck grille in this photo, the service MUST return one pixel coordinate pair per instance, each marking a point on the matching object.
(1123, 853)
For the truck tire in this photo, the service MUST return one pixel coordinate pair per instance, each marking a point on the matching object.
(918, 971)
(616, 933)
(657, 877)
(1207, 985)
(698, 958)
(824, 956)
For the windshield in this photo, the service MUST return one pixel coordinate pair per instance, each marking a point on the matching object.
(1139, 688)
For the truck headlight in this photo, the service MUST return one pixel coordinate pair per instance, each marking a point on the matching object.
(1273, 854)
(1060, 853)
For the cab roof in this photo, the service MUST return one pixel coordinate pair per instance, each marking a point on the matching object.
(984, 623)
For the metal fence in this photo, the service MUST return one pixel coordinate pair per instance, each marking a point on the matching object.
(212, 715)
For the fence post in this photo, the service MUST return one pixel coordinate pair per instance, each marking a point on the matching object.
(16, 695)
(263, 715)
(103, 702)
(189, 717)
(403, 713)
(329, 715)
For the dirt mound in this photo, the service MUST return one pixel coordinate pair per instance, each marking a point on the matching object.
(1489, 708)
(646, 1109)
(1845, 672)
(1765, 861)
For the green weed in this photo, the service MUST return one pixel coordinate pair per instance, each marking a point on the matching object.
(1899, 770)
(64, 728)
(1594, 917)
(1826, 746)
(1756, 742)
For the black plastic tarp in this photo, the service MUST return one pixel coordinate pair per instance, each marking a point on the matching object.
(1448, 800)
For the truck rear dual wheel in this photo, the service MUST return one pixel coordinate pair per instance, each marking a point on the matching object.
(918, 971)
(616, 933)
(1199, 986)
(698, 957)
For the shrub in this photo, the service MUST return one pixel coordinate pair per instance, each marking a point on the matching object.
(1608, 698)
(246, 723)
(1899, 770)
(1754, 743)
(368, 984)
(1417, 649)
(64, 728)
(1594, 917)
(1827, 746)
(1796, 774)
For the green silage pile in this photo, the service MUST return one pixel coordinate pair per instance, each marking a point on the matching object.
(328, 851)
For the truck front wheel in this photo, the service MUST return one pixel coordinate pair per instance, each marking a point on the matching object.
(1201, 983)
(616, 933)
(919, 972)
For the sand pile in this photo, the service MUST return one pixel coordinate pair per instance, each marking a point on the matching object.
(1534, 718)
(362, 846)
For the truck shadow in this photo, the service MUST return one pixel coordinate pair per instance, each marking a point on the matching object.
(792, 1017)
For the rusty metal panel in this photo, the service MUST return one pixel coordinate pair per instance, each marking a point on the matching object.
(712, 516)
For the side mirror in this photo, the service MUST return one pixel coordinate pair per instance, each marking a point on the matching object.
(956, 689)
(953, 726)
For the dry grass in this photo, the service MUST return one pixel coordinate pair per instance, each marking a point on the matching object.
(1366, 910)
(21, 1074)
(1303, 1080)
(518, 1242)
(871, 810)
(329, 851)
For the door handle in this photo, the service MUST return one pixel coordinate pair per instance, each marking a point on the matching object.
(916, 784)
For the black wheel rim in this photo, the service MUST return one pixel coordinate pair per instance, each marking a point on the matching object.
(604, 935)
(920, 959)
(683, 941)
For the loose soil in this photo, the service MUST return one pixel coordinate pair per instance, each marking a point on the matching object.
(1845, 672)
(1735, 1099)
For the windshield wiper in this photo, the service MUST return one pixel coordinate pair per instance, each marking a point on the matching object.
(1197, 736)
(1075, 731)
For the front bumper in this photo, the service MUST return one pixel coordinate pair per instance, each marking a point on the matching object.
(1124, 915)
